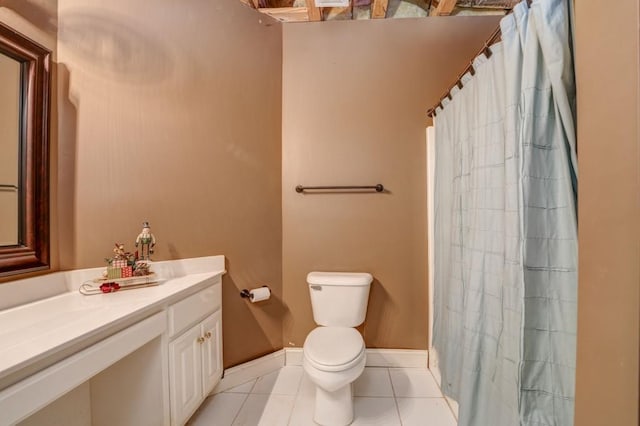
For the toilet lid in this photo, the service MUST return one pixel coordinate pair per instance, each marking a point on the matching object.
(333, 346)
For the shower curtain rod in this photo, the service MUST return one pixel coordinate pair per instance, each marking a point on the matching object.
(493, 38)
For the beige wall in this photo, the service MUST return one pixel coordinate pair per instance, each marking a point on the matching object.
(137, 86)
(355, 97)
(609, 213)
(171, 112)
(36, 19)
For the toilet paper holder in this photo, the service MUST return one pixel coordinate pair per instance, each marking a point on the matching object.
(246, 293)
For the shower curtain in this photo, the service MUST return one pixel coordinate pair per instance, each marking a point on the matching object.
(506, 229)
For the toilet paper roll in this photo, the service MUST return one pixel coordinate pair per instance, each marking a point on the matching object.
(259, 294)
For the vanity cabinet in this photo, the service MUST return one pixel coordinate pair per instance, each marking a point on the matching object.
(195, 351)
(156, 350)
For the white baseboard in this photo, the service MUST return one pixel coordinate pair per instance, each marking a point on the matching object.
(293, 356)
(234, 376)
(242, 373)
(400, 358)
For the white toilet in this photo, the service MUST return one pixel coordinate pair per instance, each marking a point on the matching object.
(334, 353)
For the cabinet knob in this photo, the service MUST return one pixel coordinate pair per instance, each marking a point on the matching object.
(200, 339)
(208, 335)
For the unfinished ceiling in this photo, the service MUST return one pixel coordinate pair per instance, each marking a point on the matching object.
(306, 10)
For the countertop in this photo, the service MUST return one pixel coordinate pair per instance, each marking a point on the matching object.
(38, 334)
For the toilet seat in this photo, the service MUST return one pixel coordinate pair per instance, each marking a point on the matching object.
(333, 348)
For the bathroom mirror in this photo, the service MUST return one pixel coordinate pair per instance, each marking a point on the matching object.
(24, 153)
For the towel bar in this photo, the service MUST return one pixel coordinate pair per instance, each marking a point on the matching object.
(300, 189)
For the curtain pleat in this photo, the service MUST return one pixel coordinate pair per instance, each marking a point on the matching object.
(505, 228)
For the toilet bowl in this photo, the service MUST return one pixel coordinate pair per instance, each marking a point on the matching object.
(334, 353)
(334, 357)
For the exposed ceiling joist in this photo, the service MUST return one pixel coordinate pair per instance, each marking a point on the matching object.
(493, 4)
(251, 3)
(315, 13)
(445, 7)
(379, 9)
(306, 10)
(287, 14)
(333, 12)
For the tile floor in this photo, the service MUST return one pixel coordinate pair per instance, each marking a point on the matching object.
(383, 396)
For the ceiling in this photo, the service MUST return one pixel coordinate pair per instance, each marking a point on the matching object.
(306, 10)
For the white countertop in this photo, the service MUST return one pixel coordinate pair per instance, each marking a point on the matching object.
(34, 333)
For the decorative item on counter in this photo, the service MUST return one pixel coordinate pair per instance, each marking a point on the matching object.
(119, 263)
(125, 264)
(121, 258)
(127, 272)
(92, 287)
(146, 240)
(114, 272)
(141, 269)
(109, 287)
(124, 272)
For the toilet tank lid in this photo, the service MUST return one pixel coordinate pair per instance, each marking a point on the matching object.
(339, 278)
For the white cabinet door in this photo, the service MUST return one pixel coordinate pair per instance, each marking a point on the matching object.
(211, 351)
(185, 369)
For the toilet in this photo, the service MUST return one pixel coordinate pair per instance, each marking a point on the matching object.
(334, 353)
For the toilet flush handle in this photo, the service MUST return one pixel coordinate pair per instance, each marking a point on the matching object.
(315, 287)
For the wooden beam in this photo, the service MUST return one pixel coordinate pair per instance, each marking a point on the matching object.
(287, 14)
(251, 3)
(379, 9)
(315, 13)
(338, 13)
(492, 4)
(445, 7)
(280, 3)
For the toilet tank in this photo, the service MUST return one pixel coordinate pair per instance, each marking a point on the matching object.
(339, 299)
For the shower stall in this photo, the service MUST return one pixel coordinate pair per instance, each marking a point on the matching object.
(503, 226)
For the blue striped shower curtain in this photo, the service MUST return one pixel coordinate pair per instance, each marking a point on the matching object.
(505, 281)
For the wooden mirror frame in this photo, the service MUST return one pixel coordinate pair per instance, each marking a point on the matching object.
(32, 251)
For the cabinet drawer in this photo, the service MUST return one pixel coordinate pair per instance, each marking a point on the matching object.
(193, 309)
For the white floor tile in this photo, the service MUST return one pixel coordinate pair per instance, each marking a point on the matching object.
(265, 410)
(218, 410)
(266, 383)
(414, 382)
(286, 381)
(373, 382)
(287, 397)
(243, 388)
(307, 387)
(302, 414)
(425, 411)
(375, 411)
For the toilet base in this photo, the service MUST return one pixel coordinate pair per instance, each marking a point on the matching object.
(334, 408)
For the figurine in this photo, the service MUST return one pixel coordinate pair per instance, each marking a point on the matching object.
(147, 242)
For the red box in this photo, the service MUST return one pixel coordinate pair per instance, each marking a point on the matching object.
(127, 272)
